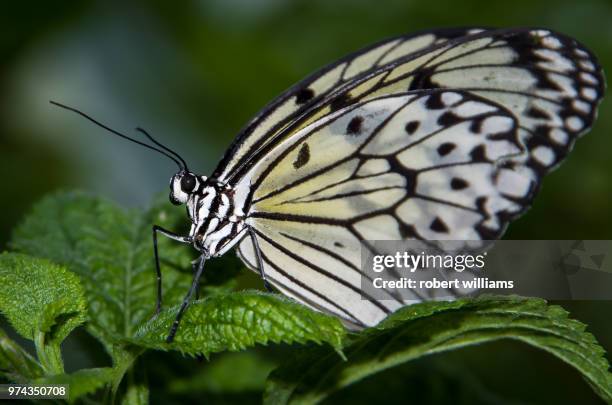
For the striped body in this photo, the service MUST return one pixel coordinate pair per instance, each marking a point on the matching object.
(217, 218)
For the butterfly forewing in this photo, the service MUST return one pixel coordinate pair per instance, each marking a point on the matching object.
(549, 82)
(301, 98)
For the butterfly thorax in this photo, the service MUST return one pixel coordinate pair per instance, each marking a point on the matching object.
(217, 220)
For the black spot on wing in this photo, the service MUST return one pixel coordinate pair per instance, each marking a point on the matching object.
(354, 125)
(478, 154)
(304, 95)
(340, 102)
(446, 148)
(422, 80)
(303, 156)
(535, 112)
(437, 225)
(407, 231)
(434, 102)
(458, 184)
(476, 125)
(412, 126)
(448, 119)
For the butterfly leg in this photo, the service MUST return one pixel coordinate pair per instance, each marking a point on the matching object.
(259, 260)
(173, 236)
(179, 315)
(194, 266)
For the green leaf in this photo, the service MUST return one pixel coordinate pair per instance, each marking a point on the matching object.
(240, 320)
(111, 249)
(433, 327)
(37, 295)
(44, 302)
(16, 364)
(81, 382)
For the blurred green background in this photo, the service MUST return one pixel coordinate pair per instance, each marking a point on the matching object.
(192, 73)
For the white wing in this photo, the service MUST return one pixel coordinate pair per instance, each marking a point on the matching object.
(448, 142)
(425, 165)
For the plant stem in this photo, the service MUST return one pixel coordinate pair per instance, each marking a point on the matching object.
(50, 356)
(124, 361)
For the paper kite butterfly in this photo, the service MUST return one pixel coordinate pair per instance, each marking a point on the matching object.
(441, 135)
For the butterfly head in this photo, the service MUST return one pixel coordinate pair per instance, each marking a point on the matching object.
(183, 185)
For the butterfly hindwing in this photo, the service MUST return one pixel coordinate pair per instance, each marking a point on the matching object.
(426, 165)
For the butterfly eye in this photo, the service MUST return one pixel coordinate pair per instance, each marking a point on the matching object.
(188, 183)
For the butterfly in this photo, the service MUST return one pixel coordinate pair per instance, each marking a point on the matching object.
(440, 135)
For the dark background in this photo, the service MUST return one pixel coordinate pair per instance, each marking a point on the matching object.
(193, 72)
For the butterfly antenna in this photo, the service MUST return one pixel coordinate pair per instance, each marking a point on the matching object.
(164, 147)
(181, 164)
